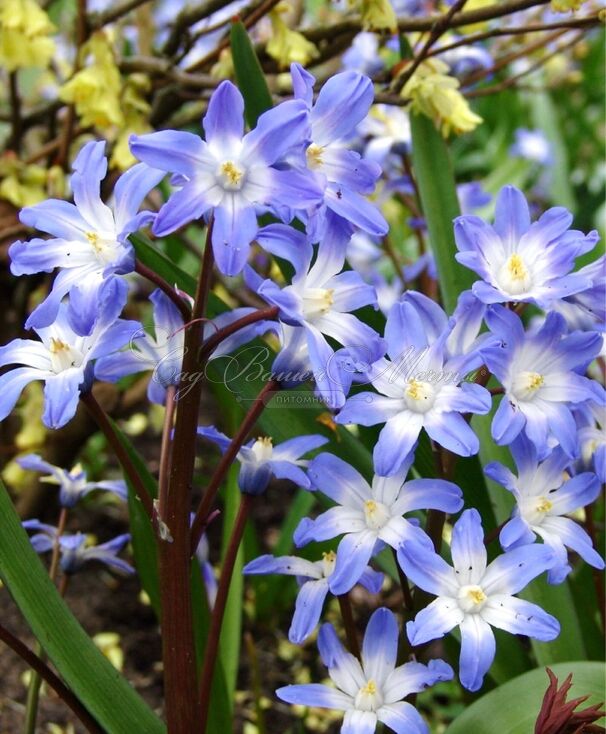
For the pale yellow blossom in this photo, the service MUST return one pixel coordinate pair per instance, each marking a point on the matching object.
(433, 92)
(378, 15)
(24, 35)
(285, 45)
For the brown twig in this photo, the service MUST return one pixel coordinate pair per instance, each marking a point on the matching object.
(111, 437)
(64, 693)
(165, 287)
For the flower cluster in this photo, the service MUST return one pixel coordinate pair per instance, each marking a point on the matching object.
(297, 188)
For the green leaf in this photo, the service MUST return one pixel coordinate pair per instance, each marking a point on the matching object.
(143, 536)
(93, 679)
(558, 601)
(435, 179)
(229, 643)
(149, 255)
(249, 75)
(513, 707)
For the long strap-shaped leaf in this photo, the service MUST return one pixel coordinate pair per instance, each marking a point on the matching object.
(93, 679)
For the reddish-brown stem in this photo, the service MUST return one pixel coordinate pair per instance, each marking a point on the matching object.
(102, 420)
(216, 622)
(213, 341)
(200, 520)
(178, 648)
(37, 664)
(349, 624)
(165, 287)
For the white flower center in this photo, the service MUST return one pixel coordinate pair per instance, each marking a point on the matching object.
(328, 563)
(63, 356)
(534, 509)
(314, 156)
(471, 598)
(231, 176)
(369, 697)
(376, 513)
(419, 396)
(263, 449)
(317, 301)
(526, 385)
(513, 276)
(104, 247)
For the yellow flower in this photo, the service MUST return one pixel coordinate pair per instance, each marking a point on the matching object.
(285, 45)
(436, 94)
(21, 184)
(109, 644)
(136, 113)
(378, 15)
(24, 31)
(564, 6)
(95, 89)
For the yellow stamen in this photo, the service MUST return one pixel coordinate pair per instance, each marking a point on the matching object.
(517, 269)
(314, 156)
(544, 505)
(231, 172)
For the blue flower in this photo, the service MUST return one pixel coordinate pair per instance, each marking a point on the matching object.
(260, 460)
(586, 310)
(76, 549)
(232, 175)
(318, 301)
(539, 372)
(342, 174)
(532, 145)
(73, 485)
(90, 239)
(162, 353)
(518, 261)
(363, 55)
(63, 359)
(207, 570)
(474, 596)
(313, 579)
(591, 420)
(368, 515)
(543, 494)
(421, 385)
(371, 690)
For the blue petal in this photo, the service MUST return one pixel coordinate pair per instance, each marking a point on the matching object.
(468, 549)
(234, 228)
(516, 532)
(512, 571)
(520, 618)
(477, 651)
(296, 447)
(396, 440)
(183, 207)
(61, 395)
(343, 102)
(353, 554)
(452, 432)
(170, 150)
(402, 718)
(58, 218)
(224, 119)
(131, 189)
(308, 608)
(512, 216)
(302, 84)
(507, 423)
(426, 569)
(277, 130)
(434, 621)
(339, 480)
(357, 210)
(314, 694)
(380, 646)
(11, 386)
